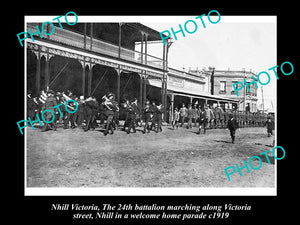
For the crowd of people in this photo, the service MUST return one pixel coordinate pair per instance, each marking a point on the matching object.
(208, 117)
(91, 114)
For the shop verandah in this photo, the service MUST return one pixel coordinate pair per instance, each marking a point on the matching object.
(83, 61)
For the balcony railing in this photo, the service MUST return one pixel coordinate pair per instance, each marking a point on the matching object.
(76, 39)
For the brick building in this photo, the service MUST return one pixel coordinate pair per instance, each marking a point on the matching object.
(221, 84)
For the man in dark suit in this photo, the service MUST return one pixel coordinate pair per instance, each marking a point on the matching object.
(232, 125)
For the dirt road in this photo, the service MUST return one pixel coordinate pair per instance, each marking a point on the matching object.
(173, 158)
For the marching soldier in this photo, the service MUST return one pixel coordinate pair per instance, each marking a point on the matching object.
(68, 117)
(183, 114)
(49, 104)
(159, 117)
(235, 114)
(195, 114)
(126, 105)
(132, 110)
(111, 106)
(79, 114)
(147, 116)
(91, 108)
(202, 120)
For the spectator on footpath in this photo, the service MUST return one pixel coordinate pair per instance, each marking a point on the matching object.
(232, 125)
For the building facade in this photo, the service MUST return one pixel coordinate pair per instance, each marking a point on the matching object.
(93, 59)
(221, 84)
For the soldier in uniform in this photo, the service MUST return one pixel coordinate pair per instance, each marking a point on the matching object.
(132, 110)
(49, 104)
(195, 114)
(242, 119)
(183, 114)
(79, 114)
(208, 116)
(91, 109)
(159, 117)
(202, 120)
(246, 119)
(270, 125)
(111, 106)
(147, 116)
(68, 117)
(31, 107)
(235, 114)
(175, 118)
(226, 116)
(212, 117)
(221, 112)
(217, 115)
(153, 116)
(126, 105)
(189, 116)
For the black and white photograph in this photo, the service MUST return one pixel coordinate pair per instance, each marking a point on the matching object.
(150, 104)
(184, 117)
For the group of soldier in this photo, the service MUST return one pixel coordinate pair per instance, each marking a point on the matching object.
(150, 117)
(208, 117)
(89, 112)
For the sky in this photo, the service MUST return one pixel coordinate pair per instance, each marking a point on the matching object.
(234, 43)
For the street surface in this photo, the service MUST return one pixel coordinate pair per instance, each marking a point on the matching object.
(172, 158)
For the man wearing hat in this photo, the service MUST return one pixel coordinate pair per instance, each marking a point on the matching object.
(202, 120)
(111, 106)
(147, 116)
(159, 117)
(270, 125)
(232, 125)
(208, 115)
(90, 110)
(183, 114)
(49, 104)
(79, 114)
(189, 116)
(132, 111)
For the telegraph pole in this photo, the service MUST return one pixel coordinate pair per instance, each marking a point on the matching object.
(244, 105)
(262, 98)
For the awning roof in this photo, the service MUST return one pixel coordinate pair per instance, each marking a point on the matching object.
(197, 94)
(191, 93)
(203, 96)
